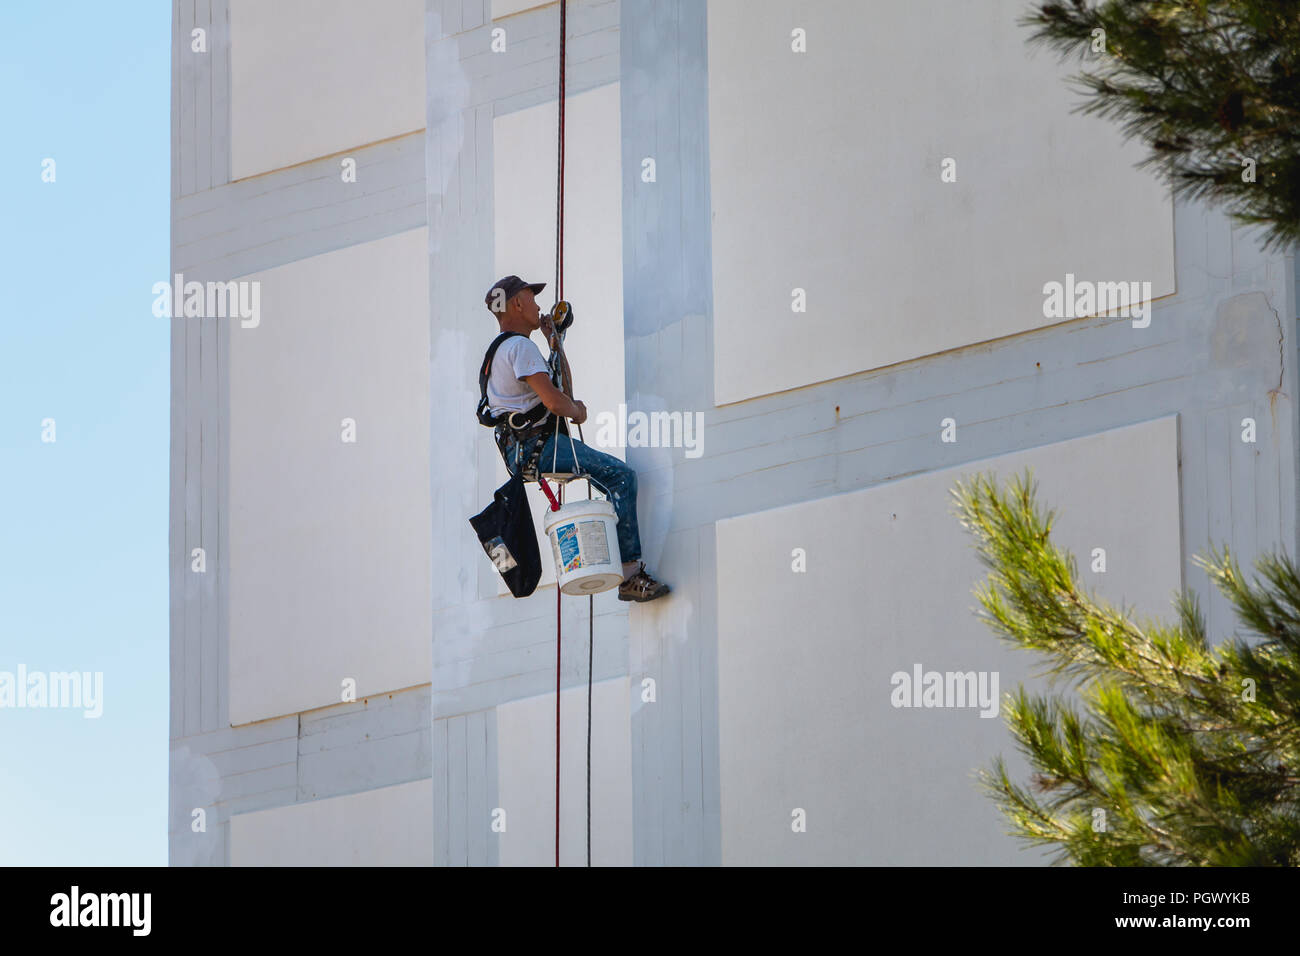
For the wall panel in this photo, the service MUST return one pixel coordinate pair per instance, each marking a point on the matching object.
(388, 826)
(313, 77)
(805, 659)
(825, 177)
(329, 540)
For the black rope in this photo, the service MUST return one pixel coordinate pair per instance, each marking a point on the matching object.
(591, 644)
(559, 294)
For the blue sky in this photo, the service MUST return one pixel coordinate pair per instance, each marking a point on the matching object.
(83, 520)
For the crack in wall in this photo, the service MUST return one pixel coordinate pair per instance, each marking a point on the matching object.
(1273, 393)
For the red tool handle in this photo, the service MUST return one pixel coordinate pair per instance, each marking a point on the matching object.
(546, 490)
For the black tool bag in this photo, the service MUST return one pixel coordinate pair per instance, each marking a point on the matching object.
(505, 529)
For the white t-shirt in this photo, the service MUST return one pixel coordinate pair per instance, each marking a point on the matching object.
(517, 358)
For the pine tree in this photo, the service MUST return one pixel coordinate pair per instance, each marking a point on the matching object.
(1209, 85)
(1174, 752)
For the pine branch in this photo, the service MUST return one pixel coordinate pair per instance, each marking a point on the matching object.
(1188, 762)
(1205, 84)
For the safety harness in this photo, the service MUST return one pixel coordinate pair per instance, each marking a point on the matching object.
(521, 426)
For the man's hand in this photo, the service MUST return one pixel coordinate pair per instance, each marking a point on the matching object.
(548, 329)
(556, 402)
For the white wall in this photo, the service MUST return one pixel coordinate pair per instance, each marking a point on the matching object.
(524, 200)
(389, 826)
(505, 8)
(313, 77)
(805, 659)
(825, 176)
(526, 768)
(330, 541)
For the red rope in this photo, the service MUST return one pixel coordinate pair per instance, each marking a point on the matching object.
(559, 295)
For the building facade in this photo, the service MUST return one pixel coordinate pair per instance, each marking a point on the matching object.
(814, 243)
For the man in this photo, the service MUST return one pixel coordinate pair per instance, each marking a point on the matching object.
(518, 381)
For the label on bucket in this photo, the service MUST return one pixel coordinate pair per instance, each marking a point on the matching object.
(580, 544)
(567, 550)
(555, 550)
(595, 544)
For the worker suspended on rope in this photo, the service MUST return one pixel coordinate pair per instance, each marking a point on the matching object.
(527, 399)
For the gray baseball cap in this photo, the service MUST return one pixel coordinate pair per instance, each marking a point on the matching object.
(509, 285)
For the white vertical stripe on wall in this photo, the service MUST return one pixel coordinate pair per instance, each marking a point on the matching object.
(526, 774)
(524, 173)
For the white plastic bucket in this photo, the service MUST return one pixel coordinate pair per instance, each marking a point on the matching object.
(584, 540)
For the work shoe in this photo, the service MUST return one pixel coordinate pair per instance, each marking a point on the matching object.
(641, 587)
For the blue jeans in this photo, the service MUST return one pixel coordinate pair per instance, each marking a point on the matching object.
(616, 480)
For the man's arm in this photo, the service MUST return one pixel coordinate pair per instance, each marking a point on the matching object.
(555, 400)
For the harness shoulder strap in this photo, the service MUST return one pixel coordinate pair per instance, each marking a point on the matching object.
(486, 370)
(484, 415)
